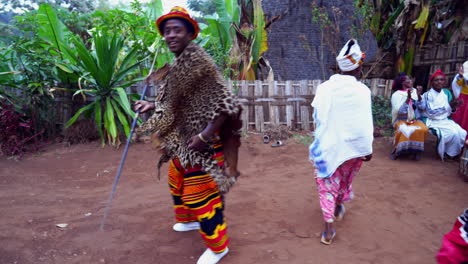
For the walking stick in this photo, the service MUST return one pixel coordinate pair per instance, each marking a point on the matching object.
(124, 155)
(122, 161)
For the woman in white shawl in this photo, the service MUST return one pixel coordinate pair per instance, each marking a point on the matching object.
(343, 135)
(410, 132)
(438, 105)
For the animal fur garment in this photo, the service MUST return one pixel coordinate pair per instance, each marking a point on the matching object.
(193, 93)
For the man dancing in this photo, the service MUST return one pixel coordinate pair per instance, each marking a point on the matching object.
(196, 120)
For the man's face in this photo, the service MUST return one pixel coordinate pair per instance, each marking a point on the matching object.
(176, 35)
(439, 82)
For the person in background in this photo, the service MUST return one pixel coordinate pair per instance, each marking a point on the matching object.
(460, 92)
(343, 135)
(454, 248)
(410, 132)
(438, 104)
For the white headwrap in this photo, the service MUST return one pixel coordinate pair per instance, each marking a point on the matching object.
(350, 56)
(465, 70)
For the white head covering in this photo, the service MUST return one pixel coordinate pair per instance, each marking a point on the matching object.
(465, 70)
(350, 56)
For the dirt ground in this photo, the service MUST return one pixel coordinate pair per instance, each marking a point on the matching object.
(401, 210)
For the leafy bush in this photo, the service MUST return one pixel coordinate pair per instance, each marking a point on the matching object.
(17, 134)
(304, 139)
(105, 74)
(382, 115)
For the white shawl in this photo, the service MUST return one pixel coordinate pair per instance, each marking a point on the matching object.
(343, 119)
(398, 99)
(436, 100)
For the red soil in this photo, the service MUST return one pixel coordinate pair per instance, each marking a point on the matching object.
(401, 210)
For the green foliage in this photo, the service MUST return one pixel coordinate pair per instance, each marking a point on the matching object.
(76, 50)
(63, 50)
(303, 139)
(80, 6)
(30, 72)
(216, 37)
(205, 7)
(362, 18)
(219, 55)
(330, 29)
(382, 114)
(139, 29)
(53, 31)
(104, 69)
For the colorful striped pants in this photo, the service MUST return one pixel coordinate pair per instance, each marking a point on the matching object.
(196, 198)
(337, 188)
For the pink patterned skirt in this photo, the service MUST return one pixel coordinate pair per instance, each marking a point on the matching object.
(337, 188)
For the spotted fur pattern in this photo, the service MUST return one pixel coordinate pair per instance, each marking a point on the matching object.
(192, 94)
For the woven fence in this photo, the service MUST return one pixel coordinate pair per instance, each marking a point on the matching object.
(281, 102)
(447, 57)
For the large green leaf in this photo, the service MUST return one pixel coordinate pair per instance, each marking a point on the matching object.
(109, 121)
(232, 8)
(155, 9)
(123, 73)
(122, 117)
(52, 30)
(98, 118)
(220, 33)
(260, 44)
(78, 113)
(390, 21)
(125, 85)
(409, 58)
(423, 16)
(122, 105)
(84, 58)
(126, 66)
(227, 13)
(63, 67)
(123, 99)
(107, 54)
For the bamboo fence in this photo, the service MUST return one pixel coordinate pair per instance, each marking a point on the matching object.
(447, 57)
(281, 102)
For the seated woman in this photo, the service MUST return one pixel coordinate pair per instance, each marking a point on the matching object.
(410, 133)
(438, 104)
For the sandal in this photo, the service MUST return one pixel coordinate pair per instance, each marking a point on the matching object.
(340, 215)
(324, 241)
(277, 144)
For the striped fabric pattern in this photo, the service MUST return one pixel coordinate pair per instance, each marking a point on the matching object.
(196, 198)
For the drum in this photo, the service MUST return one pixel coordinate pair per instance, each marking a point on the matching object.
(463, 169)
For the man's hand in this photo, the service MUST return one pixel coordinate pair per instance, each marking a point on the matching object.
(419, 89)
(456, 103)
(408, 99)
(143, 106)
(460, 72)
(367, 158)
(196, 143)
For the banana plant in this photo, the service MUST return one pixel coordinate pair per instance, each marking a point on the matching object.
(105, 70)
(250, 41)
(239, 28)
(400, 26)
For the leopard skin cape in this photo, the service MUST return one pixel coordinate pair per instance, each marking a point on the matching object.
(191, 94)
